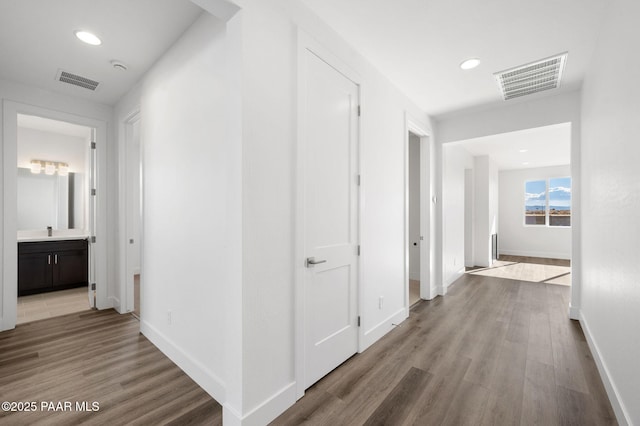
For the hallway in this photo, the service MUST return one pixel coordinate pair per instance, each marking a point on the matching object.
(493, 351)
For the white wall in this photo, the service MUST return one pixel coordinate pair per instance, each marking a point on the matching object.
(469, 217)
(485, 209)
(611, 202)
(39, 145)
(517, 239)
(192, 233)
(456, 160)
(414, 207)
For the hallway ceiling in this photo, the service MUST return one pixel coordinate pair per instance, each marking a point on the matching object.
(524, 149)
(37, 39)
(419, 44)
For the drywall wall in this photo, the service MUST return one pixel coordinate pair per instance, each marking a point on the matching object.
(485, 209)
(269, 144)
(610, 205)
(456, 160)
(39, 145)
(517, 239)
(469, 209)
(191, 209)
(414, 207)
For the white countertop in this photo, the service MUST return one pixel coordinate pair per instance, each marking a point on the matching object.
(62, 235)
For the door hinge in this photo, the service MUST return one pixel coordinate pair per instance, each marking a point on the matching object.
(358, 249)
(93, 191)
(359, 180)
(93, 145)
(93, 286)
(358, 320)
(93, 239)
(359, 111)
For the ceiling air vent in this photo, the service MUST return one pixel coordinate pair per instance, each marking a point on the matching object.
(531, 78)
(77, 80)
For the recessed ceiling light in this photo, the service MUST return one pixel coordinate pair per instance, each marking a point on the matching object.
(470, 63)
(525, 163)
(523, 150)
(88, 38)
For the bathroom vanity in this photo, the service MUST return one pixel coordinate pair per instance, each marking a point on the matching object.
(50, 265)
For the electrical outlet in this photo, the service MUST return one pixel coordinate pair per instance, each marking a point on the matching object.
(380, 302)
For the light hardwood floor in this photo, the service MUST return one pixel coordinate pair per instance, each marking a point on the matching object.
(53, 304)
(492, 352)
(533, 269)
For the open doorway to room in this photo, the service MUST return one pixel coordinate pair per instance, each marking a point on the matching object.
(133, 214)
(415, 235)
(518, 218)
(54, 217)
(419, 233)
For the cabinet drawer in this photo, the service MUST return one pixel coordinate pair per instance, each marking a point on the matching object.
(51, 246)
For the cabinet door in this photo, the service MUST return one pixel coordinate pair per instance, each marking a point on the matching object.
(34, 273)
(70, 268)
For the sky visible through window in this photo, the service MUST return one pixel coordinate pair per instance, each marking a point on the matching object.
(556, 196)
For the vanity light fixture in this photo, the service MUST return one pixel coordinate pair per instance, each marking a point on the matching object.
(36, 167)
(470, 63)
(88, 38)
(49, 167)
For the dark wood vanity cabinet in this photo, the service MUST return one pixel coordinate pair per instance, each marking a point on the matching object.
(52, 265)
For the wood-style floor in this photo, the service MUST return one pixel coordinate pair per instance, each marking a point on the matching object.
(96, 356)
(492, 352)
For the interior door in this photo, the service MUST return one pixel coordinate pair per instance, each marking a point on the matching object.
(330, 146)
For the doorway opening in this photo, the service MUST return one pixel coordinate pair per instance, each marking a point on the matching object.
(133, 214)
(55, 217)
(419, 210)
(415, 235)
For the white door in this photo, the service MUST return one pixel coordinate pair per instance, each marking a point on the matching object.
(330, 146)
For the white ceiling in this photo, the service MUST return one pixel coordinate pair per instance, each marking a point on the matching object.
(419, 44)
(37, 38)
(545, 146)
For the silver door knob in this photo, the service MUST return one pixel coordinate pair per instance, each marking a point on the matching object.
(312, 261)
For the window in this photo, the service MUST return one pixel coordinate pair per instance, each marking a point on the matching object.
(560, 201)
(548, 202)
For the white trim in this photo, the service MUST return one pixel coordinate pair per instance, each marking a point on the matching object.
(574, 313)
(307, 43)
(543, 254)
(115, 302)
(9, 252)
(204, 377)
(379, 330)
(622, 415)
(264, 413)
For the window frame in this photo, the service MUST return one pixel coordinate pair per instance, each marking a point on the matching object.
(547, 205)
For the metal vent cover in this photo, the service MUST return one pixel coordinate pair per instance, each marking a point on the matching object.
(77, 80)
(533, 77)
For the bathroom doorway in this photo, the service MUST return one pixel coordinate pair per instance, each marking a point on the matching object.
(55, 217)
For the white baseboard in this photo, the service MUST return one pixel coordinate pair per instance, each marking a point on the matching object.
(376, 332)
(115, 302)
(265, 412)
(612, 392)
(544, 254)
(204, 377)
